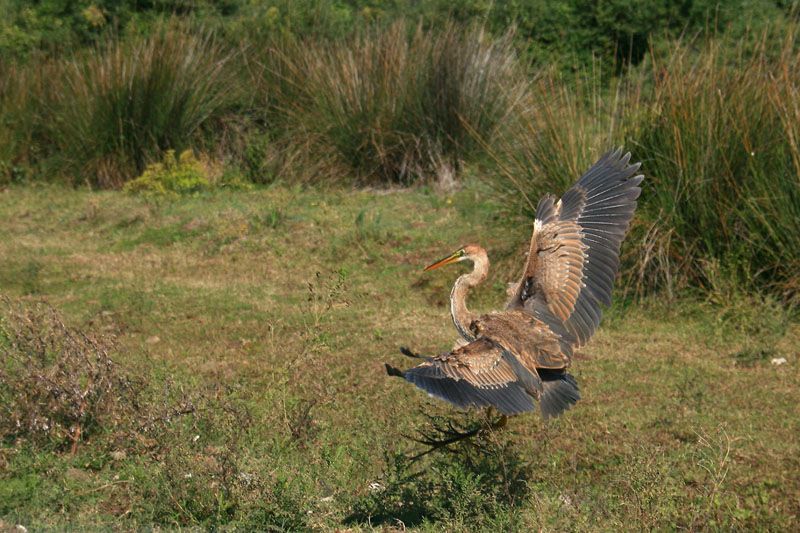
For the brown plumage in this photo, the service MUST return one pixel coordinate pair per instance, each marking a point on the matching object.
(519, 355)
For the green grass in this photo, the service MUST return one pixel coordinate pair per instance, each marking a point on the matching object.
(714, 122)
(271, 312)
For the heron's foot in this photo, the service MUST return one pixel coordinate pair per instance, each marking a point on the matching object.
(407, 352)
(444, 433)
(393, 371)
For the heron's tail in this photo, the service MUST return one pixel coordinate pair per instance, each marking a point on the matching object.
(559, 394)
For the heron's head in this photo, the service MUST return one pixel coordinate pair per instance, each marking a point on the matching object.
(470, 252)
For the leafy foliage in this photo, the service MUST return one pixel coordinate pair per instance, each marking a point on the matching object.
(179, 175)
(569, 32)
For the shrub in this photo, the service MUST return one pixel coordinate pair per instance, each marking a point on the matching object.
(58, 385)
(183, 174)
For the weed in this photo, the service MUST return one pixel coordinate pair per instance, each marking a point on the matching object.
(58, 384)
(713, 455)
(647, 481)
(300, 422)
(198, 440)
(271, 218)
(474, 484)
(30, 277)
(757, 321)
(369, 227)
(202, 479)
(324, 294)
(257, 159)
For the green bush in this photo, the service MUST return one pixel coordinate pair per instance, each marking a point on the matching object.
(177, 175)
(568, 32)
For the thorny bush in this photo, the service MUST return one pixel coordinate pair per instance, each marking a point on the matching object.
(58, 384)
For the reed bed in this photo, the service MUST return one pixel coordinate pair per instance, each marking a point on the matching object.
(716, 125)
(716, 132)
(396, 105)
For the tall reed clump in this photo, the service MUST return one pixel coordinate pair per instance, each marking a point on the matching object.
(565, 126)
(393, 106)
(118, 108)
(717, 133)
(720, 147)
(21, 116)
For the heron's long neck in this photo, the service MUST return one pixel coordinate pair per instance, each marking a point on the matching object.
(463, 317)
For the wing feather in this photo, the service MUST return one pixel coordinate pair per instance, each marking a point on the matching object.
(479, 374)
(574, 252)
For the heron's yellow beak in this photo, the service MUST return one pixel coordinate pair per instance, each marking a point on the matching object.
(452, 258)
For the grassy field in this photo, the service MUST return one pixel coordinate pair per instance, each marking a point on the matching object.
(714, 122)
(254, 327)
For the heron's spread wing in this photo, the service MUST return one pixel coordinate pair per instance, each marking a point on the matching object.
(574, 251)
(480, 374)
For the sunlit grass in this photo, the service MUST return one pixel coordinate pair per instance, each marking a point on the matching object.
(276, 333)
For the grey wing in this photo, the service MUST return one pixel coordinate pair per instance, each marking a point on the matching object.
(480, 374)
(574, 251)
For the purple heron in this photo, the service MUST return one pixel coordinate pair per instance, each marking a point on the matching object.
(521, 355)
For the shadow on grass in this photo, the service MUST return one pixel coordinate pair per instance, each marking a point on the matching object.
(477, 481)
